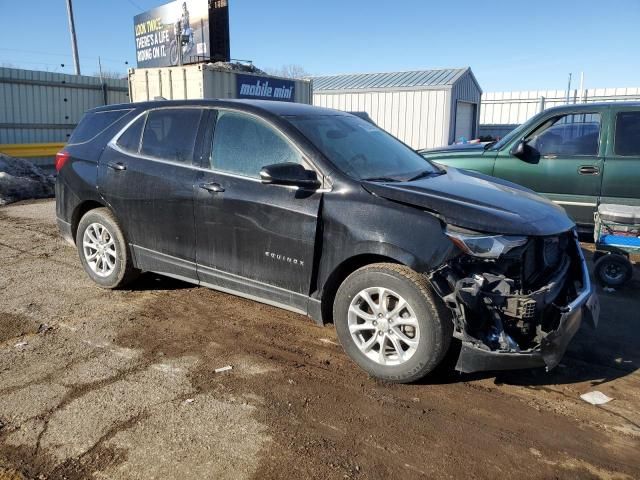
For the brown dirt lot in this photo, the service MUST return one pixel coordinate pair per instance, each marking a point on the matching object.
(108, 385)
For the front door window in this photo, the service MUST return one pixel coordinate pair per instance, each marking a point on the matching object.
(575, 134)
(243, 145)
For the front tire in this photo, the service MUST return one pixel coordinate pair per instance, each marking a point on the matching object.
(103, 251)
(390, 323)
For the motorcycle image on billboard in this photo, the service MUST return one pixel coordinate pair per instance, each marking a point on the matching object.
(179, 33)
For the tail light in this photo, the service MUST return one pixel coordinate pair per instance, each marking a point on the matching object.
(61, 159)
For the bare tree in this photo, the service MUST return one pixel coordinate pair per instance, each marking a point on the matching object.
(289, 71)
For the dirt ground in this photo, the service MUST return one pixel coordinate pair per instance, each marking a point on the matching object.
(122, 385)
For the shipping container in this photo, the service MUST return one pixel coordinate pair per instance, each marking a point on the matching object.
(424, 109)
(212, 81)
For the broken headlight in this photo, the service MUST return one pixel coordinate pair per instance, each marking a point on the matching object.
(481, 244)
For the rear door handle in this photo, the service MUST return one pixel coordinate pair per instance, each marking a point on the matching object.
(212, 187)
(588, 170)
(117, 166)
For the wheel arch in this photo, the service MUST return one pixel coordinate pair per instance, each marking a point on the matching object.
(80, 211)
(346, 268)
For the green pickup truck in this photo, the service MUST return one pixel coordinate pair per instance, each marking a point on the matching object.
(577, 155)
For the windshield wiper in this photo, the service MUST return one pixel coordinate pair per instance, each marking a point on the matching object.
(426, 173)
(380, 179)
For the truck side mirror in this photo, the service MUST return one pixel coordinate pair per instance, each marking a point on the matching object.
(525, 152)
(519, 150)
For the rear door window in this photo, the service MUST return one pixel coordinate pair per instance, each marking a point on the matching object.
(170, 134)
(94, 123)
(568, 135)
(627, 141)
(243, 145)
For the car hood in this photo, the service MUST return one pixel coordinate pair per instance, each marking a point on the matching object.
(478, 202)
(455, 148)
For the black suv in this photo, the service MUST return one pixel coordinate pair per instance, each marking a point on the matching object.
(321, 212)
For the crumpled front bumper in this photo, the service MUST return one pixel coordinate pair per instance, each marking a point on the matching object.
(585, 307)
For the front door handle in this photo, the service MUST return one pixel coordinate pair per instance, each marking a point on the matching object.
(117, 166)
(212, 187)
(588, 170)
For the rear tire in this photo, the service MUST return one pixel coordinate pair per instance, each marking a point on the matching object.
(390, 323)
(613, 270)
(103, 250)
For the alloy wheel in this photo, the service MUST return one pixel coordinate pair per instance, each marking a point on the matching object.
(383, 326)
(99, 248)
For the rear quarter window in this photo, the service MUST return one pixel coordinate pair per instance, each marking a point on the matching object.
(94, 123)
(130, 138)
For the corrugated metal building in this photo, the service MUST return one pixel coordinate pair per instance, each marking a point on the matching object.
(424, 109)
(42, 107)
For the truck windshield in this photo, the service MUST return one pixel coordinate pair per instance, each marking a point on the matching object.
(517, 132)
(362, 150)
(506, 139)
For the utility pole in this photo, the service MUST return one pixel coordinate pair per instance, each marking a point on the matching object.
(74, 42)
(105, 94)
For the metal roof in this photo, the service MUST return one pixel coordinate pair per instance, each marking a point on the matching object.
(365, 81)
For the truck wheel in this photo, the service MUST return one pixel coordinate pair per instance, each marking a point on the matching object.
(613, 270)
(390, 323)
(103, 250)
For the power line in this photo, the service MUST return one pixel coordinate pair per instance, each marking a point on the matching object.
(135, 5)
(65, 55)
(50, 67)
(10, 64)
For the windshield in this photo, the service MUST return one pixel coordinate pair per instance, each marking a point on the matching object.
(506, 139)
(516, 132)
(362, 150)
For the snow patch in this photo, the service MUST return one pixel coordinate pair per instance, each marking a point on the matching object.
(22, 180)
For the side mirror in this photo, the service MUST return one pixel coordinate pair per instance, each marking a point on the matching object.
(520, 150)
(289, 174)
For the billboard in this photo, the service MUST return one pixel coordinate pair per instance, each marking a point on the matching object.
(265, 88)
(183, 31)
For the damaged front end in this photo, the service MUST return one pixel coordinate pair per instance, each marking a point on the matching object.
(516, 301)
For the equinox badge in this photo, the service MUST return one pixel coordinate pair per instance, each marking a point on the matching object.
(284, 258)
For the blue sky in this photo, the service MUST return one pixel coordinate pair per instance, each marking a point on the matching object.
(509, 45)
